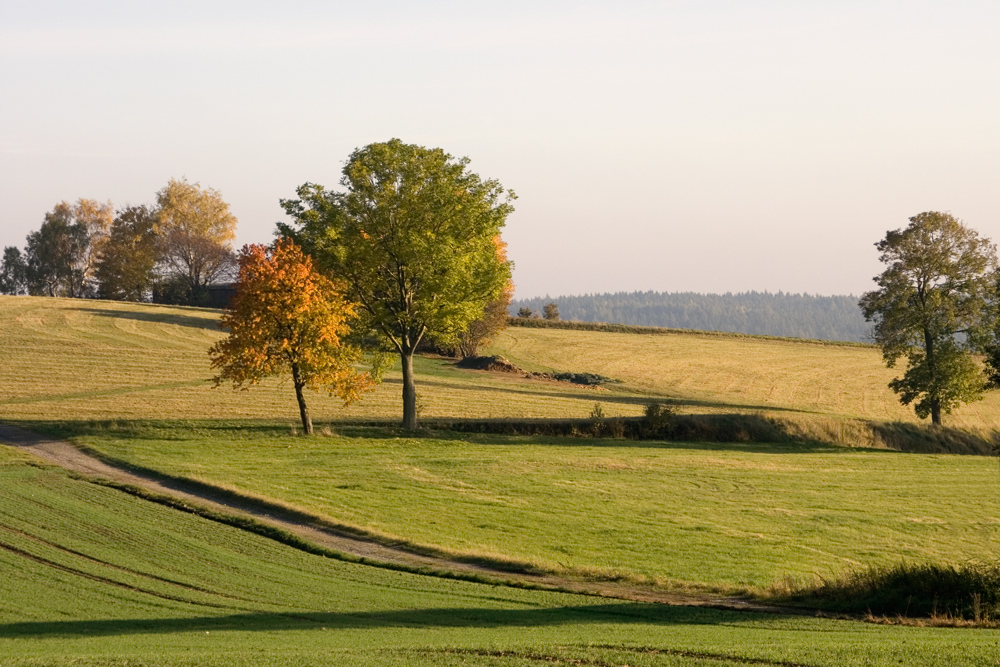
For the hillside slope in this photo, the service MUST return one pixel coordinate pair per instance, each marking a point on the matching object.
(82, 359)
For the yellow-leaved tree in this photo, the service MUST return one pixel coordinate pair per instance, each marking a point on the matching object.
(195, 229)
(286, 317)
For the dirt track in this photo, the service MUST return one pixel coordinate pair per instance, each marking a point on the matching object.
(66, 455)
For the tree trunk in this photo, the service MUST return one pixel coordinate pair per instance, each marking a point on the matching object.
(299, 383)
(932, 364)
(409, 392)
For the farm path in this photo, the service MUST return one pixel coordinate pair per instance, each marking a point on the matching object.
(66, 455)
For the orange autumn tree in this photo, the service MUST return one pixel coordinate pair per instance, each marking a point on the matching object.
(285, 317)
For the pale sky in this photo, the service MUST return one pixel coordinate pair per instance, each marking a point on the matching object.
(671, 146)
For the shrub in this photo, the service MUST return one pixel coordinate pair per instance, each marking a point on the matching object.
(658, 421)
(965, 592)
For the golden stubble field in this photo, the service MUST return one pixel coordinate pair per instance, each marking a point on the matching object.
(88, 359)
(708, 372)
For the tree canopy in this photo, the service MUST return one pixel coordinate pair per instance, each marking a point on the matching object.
(494, 318)
(195, 229)
(932, 307)
(13, 272)
(285, 317)
(413, 235)
(125, 268)
(55, 254)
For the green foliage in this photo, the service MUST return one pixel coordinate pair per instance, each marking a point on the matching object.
(483, 330)
(413, 233)
(13, 272)
(658, 420)
(550, 311)
(524, 311)
(935, 289)
(125, 269)
(54, 253)
(953, 377)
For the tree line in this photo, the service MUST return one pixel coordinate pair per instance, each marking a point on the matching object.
(758, 313)
(409, 250)
(169, 252)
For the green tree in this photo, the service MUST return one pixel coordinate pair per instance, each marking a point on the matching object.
(494, 318)
(13, 272)
(551, 311)
(195, 229)
(285, 317)
(55, 253)
(413, 234)
(931, 307)
(125, 268)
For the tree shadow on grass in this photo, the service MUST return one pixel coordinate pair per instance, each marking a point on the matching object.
(612, 613)
(573, 392)
(720, 432)
(197, 319)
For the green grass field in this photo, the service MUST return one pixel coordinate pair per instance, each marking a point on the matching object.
(730, 516)
(132, 382)
(93, 576)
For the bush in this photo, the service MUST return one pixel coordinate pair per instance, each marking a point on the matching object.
(966, 592)
(657, 421)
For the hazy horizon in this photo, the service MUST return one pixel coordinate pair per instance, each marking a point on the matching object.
(703, 147)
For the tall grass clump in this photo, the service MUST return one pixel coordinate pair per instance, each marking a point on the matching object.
(966, 592)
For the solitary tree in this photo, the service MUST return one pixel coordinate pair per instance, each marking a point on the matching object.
(524, 311)
(551, 311)
(125, 269)
(412, 233)
(285, 317)
(930, 307)
(195, 230)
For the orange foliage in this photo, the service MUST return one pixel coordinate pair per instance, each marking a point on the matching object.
(287, 317)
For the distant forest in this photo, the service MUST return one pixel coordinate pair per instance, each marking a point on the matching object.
(794, 315)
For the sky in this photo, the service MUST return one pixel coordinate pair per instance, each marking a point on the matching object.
(702, 146)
